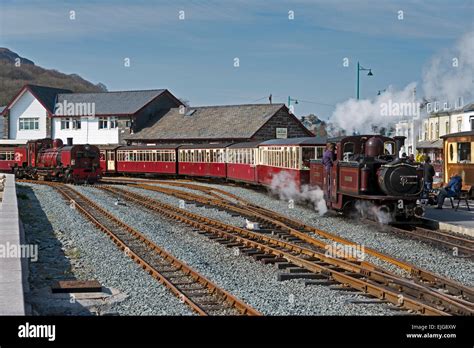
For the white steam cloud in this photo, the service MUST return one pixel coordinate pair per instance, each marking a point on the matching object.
(447, 77)
(284, 185)
(450, 74)
(360, 115)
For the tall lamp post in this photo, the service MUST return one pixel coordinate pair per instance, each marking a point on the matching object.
(291, 100)
(359, 69)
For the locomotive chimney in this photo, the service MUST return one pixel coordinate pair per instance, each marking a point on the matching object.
(399, 141)
(69, 141)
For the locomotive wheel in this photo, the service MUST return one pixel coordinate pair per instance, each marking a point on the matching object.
(18, 173)
(68, 178)
(348, 209)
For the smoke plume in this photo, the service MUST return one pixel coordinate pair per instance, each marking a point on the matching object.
(449, 74)
(447, 77)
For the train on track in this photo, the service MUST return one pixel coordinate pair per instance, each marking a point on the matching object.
(48, 159)
(366, 175)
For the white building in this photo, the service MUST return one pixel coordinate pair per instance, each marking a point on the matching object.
(97, 118)
(409, 128)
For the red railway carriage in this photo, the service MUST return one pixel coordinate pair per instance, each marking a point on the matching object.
(107, 160)
(11, 152)
(7, 158)
(366, 168)
(242, 159)
(158, 159)
(282, 161)
(205, 160)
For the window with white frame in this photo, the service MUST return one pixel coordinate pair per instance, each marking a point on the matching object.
(113, 122)
(103, 123)
(65, 123)
(76, 123)
(29, 123)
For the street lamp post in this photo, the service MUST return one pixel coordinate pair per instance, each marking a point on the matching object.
(359, 69)
(291, 100)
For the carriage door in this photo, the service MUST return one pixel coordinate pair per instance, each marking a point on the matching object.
(111, 160)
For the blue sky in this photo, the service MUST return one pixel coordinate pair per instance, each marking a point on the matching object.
(194, 58)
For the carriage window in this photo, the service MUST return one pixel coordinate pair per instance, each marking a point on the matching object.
(308, 153)
(319, 151)
(451, 152)
(464, 152)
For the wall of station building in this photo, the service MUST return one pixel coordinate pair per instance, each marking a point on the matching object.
(282, 119)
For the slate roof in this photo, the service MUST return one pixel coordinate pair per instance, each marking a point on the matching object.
(459, 134)
(47, 95)
(209, 122)
(428, 144)
(113, 103)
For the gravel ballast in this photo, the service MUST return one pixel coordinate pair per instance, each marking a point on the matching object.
(249, 280)
(70, 247)
(416, 252)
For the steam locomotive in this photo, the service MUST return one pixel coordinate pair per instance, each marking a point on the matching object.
(48, 159)
(368, 177)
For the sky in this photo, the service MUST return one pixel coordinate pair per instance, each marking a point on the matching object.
(302, 57)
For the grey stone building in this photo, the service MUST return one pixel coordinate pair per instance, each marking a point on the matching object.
(227, 123)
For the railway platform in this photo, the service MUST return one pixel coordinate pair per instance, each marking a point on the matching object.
(460, 221)
(12, 266)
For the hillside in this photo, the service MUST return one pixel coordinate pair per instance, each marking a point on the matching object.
(13, 78)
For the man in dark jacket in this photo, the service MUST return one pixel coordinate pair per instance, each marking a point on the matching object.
(451, 190)
(428, 173)
(328, 158)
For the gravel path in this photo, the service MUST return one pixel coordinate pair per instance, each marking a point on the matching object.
(413, 251)
(247, 279)
(71, 247)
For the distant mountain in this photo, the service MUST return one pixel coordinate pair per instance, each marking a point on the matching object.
(13, 76)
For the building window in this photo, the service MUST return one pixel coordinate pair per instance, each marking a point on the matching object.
(472, 123)
(459, 125)
(446, 128)
(437, 130)
(76, 123)
(113, 122)
(65, 123)
(29, 123)
(103, 123)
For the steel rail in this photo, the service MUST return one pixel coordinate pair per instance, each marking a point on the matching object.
(84, 205)
(294, 228)
(293, 253)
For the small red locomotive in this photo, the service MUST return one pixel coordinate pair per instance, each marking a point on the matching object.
(48, 159)
(367, 176)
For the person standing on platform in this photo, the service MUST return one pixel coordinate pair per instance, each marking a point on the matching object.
(428, 174)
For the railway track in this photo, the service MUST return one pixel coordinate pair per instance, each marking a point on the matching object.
(193, 289)
(311, 263)
(459, 246)
(299, 232)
